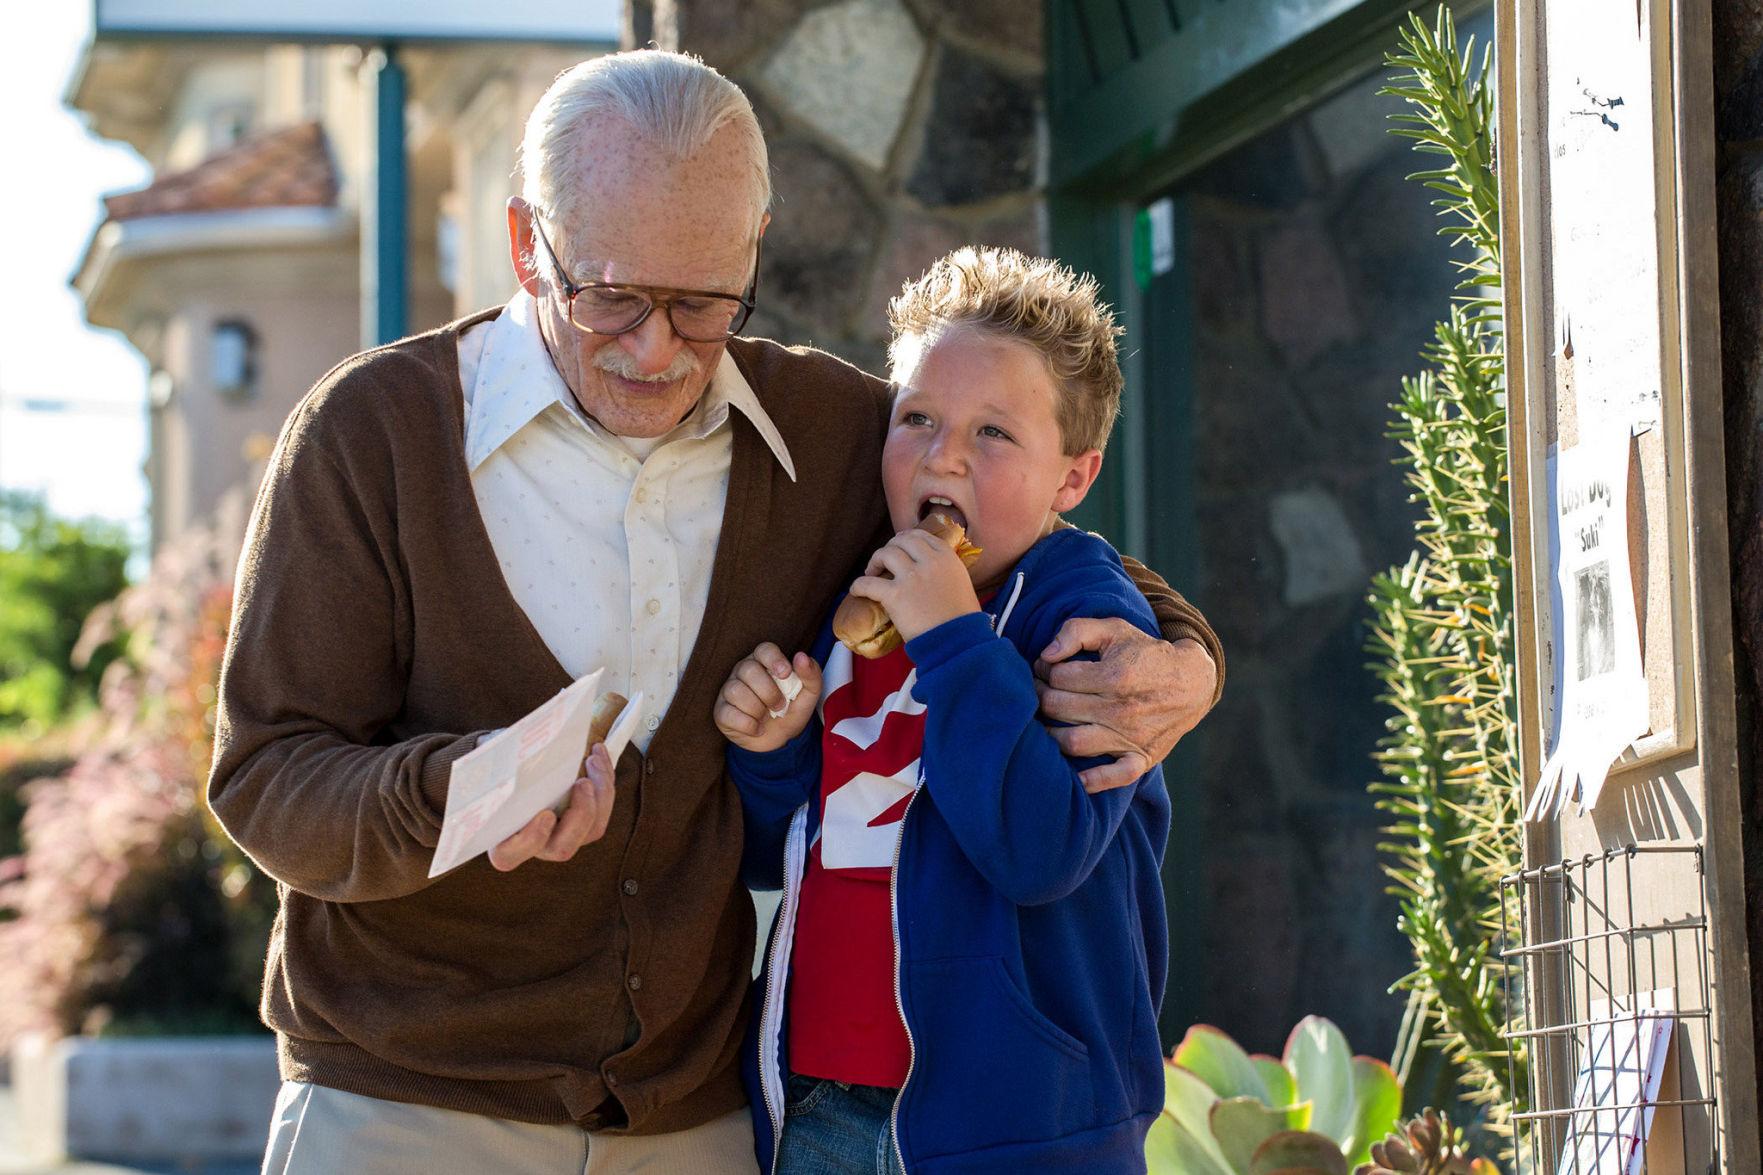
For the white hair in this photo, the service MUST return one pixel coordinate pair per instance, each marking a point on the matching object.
(672, 99)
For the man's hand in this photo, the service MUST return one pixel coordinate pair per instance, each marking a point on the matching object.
(550, 837)
(1135, 703)
(753, 711)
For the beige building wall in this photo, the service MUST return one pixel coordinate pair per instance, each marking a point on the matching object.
(297, 288)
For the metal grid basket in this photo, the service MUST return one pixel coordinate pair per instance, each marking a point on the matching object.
(1587, 1013)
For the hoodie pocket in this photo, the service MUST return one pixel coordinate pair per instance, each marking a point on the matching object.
(989, 1068)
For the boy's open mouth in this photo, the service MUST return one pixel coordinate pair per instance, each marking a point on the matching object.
(940, 505)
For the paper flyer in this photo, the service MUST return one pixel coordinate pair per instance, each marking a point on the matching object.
(1603, 211)
(1600, 690)
(1620, 1071)
(519, 772)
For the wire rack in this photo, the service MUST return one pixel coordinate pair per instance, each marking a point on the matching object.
(1613, 966)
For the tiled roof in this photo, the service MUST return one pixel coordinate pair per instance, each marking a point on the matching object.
(284, 168)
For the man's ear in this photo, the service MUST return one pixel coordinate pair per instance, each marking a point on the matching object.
(523, 246)
(1079, 477)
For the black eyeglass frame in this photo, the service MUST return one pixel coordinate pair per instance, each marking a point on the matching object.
(656, 295)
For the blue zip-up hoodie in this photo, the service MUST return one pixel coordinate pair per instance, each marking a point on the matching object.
(1031, 939)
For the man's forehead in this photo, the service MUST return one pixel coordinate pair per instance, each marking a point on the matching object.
(647, 252)
(642, 215)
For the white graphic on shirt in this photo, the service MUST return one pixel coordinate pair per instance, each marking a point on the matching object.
(848, 837)
(864, 730)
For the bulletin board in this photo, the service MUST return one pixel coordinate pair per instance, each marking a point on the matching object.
(1607, 225)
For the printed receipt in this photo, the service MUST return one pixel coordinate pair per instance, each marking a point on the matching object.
(517, 773)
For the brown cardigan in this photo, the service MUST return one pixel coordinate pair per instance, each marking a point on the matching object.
(374, 638)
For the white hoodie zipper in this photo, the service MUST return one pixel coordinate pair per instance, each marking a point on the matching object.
(899, 1002)
(777, 968)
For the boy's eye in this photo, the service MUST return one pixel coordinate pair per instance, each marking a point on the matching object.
(914, 418)
(992, 430)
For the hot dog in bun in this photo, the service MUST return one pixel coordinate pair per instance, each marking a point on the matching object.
(862, 625)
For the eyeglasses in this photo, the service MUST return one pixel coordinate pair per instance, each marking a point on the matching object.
(698, 316)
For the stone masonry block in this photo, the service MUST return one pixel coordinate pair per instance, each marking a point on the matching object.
(1739, 103)
(1008, 25)
(1322, 554)
(1738, 39)
(725, 35)
(1352, 128)
(823, 232)
(1740, 229)
(979, 143)
(918, 240)
(848, 71)
(1305, 305)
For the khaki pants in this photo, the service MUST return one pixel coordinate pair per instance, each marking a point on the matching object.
(322, 1131)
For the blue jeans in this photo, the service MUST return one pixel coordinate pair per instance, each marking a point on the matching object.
(830, 1126)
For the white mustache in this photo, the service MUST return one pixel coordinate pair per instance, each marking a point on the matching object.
(616, 361)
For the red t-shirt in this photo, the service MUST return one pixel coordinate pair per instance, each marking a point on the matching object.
(844, 1020)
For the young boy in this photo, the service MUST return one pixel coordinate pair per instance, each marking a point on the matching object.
(967, 963)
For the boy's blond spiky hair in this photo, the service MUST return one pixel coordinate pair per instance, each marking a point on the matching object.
(1034, 301)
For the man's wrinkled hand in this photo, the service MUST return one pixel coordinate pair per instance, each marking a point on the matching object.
(1134, 703)
(551, 837)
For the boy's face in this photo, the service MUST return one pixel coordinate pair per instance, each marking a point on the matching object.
(974, 433)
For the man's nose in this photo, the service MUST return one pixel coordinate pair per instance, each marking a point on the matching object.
(653, 344)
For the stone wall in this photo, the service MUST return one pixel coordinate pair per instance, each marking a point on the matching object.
(899, 129)
(1738, 125)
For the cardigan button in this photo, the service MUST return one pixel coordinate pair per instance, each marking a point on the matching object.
(630, 887)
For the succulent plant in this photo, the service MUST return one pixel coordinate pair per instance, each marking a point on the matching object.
(1313, 1111)
(1426, 1144)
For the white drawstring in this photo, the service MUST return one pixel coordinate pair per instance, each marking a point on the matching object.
(1004, 616)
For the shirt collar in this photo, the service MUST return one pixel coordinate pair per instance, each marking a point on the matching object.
(734, 391)
(516, 380)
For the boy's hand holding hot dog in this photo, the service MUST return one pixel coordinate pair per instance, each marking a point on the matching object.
(920, 581)
(766, 701)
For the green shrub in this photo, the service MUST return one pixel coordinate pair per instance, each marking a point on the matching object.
(53, 573)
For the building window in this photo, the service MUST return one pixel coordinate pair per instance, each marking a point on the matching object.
(229, 124)
(233, 360)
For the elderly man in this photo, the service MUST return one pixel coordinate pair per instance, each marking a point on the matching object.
(456, 526)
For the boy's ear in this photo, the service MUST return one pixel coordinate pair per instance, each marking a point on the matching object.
(1079, 477)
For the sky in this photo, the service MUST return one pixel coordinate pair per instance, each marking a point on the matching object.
(87, 455)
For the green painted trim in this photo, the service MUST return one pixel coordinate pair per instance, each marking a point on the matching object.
(385, 251)
(1195, 96)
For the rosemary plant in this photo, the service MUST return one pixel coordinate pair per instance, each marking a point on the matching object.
(1442, 622)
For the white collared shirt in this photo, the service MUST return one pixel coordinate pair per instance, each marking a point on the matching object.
(609, 553)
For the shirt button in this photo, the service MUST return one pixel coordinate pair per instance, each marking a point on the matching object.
(654, 607)
(654, 722)
(635, 982)
(648, 766)
(630, 887)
